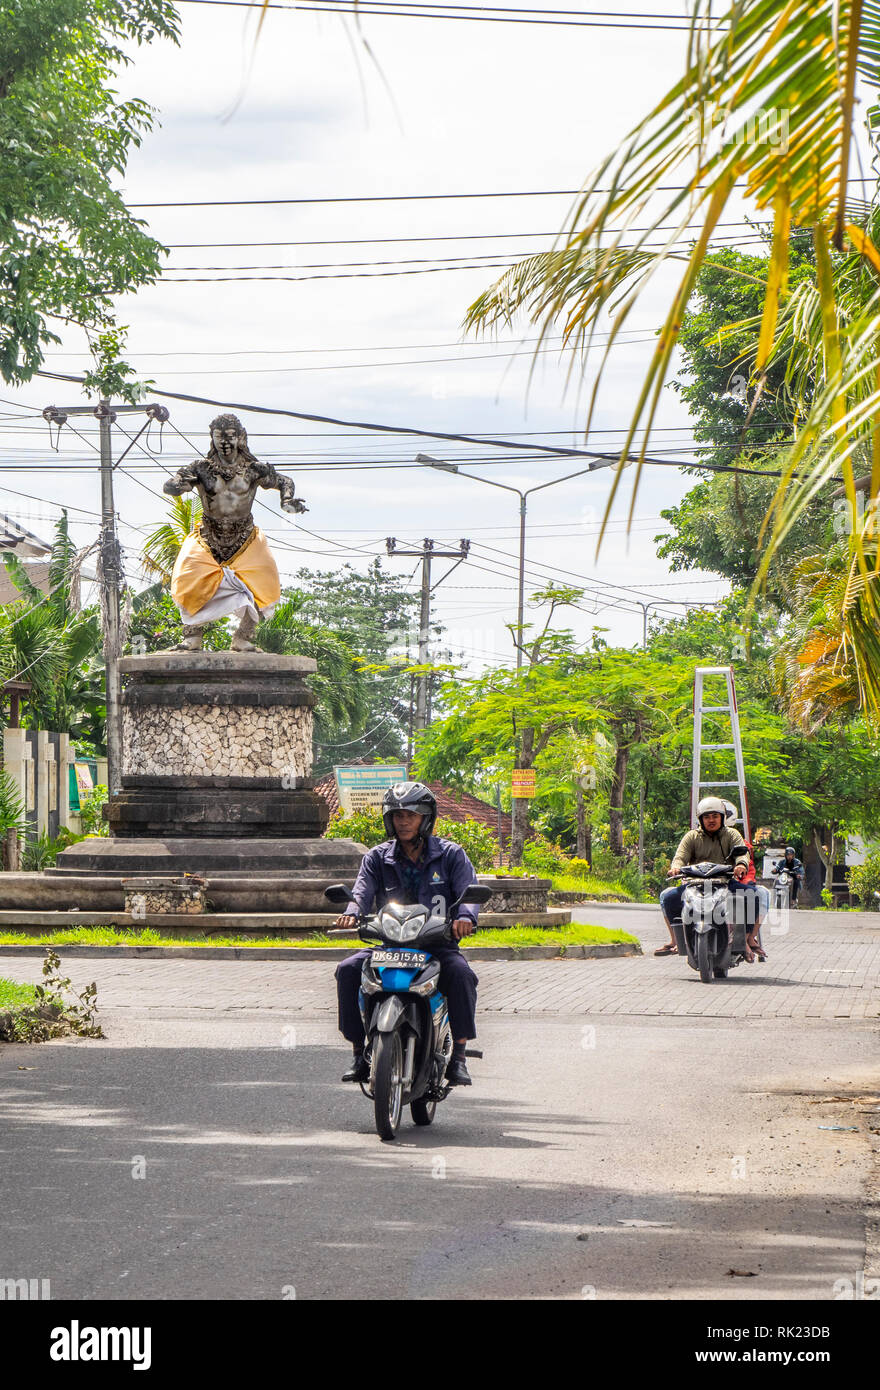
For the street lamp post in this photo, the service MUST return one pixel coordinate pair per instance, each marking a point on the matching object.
(522, 494)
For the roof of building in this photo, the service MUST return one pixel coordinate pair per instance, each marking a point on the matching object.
(454, 805)
(38, 574)
(19, 540)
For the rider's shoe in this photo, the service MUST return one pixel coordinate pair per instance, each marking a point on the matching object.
(457, 1074)
(359, 1069)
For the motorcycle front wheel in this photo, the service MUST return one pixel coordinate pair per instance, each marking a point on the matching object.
(388, 1084)
(423, 1111)
(704, 958)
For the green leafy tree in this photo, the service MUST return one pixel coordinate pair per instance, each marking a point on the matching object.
(69, 244)
(507, 718)
(375, 615)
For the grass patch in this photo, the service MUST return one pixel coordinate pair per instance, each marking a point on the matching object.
(14, 996)
(578, 934)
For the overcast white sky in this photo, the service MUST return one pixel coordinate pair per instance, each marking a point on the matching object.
(477, 107)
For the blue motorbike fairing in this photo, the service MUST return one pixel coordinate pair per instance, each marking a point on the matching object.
(395, 979)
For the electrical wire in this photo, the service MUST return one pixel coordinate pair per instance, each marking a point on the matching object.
(495, 14)
(599, 458)
(416, 197)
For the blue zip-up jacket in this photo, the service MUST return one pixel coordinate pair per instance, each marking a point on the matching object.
(444, 872)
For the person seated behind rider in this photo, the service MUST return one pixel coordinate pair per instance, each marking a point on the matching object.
(731, 816)
(714, 843)
(413, 866)
(791, 862)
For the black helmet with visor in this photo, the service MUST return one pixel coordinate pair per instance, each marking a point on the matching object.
(409, 796)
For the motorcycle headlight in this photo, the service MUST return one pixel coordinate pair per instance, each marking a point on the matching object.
(407, 930)
(411, 928)
(426, 987)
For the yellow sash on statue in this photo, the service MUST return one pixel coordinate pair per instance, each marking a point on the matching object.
(196, 575)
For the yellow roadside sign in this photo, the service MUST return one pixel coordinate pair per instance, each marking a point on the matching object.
(522, 783)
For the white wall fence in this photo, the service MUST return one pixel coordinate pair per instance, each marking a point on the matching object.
(39, 763)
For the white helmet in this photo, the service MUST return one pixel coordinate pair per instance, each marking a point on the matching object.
(711, 803)
(730, 813)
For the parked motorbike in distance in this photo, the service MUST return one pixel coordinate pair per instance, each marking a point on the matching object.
(707, 931)
(406, 1024)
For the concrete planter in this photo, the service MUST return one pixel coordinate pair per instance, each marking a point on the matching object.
(164, 896)
(519, 895)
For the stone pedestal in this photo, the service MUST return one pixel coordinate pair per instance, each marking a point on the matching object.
(217, 744)
(216, 774)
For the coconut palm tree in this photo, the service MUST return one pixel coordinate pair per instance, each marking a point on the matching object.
(765, 104)
(162, 545)
(829, 665)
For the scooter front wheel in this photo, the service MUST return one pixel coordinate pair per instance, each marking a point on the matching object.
(388, 1084)
(704, 958)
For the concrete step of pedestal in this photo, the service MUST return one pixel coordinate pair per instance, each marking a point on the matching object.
(169, 855)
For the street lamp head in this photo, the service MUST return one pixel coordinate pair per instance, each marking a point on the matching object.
(437, 463)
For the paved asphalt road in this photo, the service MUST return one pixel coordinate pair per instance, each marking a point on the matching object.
(631, 1133)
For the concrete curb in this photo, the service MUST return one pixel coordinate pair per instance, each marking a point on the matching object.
(612, 948)
(619, 907)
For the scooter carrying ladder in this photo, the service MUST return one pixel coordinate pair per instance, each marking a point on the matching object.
(728, 710)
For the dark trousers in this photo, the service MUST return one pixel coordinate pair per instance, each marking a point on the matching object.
(457, 982)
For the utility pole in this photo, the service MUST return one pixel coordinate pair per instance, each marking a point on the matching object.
(110, 569)
(523, 496)
(427, 553)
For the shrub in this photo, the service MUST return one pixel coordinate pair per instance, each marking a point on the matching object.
(543, 857)
(11, 806)
(40, 853)
(364, 826)
(91, 810)
(476, 839)
(864, 882)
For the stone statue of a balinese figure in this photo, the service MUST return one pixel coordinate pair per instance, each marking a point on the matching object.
(225, 566)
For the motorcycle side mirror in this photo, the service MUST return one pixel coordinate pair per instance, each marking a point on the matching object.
(474, 893)
(338, 893)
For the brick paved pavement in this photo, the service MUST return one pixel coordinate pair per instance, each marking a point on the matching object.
(827, 966)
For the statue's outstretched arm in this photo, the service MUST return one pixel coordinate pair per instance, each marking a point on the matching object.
(270, 478)
(184, 480)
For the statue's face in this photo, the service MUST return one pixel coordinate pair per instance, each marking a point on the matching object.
(226, 441)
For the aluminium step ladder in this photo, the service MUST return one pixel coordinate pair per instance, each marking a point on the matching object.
(724, 710)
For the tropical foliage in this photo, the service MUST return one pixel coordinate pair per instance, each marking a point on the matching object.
(766, 104)
(48, 640)
(69, 244)
(162, 545)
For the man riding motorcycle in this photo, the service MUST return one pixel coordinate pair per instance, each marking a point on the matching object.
(413, 866)
(795, 868)
(714, 843)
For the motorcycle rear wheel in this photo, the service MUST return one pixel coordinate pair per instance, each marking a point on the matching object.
(704, 958)
(423, 1111)
(388, 1084)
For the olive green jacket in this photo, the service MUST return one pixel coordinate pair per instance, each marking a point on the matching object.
(697, 847)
